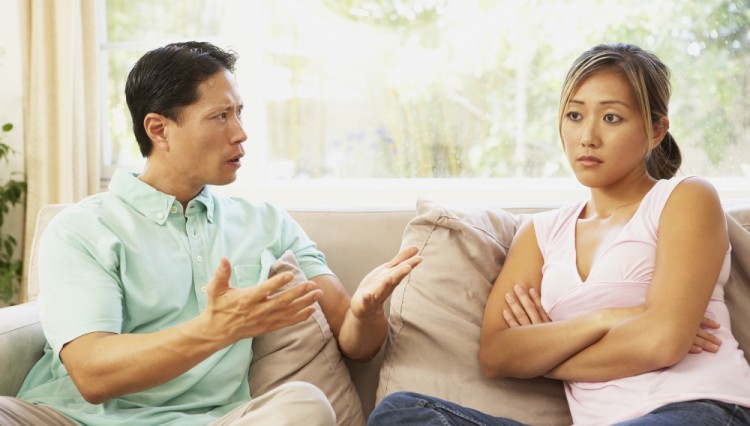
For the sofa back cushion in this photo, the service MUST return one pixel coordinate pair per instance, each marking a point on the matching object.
(737, 289)
(436, 317)
(306, 351)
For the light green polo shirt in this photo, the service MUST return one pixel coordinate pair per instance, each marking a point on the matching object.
(131, 261)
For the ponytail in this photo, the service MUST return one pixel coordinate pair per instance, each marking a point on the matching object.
(665, 159)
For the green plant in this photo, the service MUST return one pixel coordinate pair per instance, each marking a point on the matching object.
(11, 193)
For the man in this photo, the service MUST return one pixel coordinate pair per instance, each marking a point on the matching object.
(141, 329)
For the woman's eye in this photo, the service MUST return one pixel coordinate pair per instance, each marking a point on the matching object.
(611, 118)
(222, 116)
(574, 116)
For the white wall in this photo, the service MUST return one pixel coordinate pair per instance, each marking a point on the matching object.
(11, 108)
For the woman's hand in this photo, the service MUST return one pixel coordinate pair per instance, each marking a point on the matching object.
(704, 340)
(525, 307)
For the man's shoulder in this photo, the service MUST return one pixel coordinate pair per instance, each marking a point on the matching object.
(85, 213)
(233, 204)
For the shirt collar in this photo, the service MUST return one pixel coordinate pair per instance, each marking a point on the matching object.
(150, 202)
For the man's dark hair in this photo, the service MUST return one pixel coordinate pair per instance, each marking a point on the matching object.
(166, 79)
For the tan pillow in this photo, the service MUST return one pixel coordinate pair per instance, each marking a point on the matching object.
(737, 289)
(305, 352)
(436, 316)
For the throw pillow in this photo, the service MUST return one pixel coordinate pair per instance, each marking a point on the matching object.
(436, 317)
(737, 289)
(306, 351)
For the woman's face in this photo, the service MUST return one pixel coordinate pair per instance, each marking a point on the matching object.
(603, 133)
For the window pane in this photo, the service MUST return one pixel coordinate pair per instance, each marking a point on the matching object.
(441, 88)
(132, 28)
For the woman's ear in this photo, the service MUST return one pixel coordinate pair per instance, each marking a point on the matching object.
(661, 127)
(156, 126)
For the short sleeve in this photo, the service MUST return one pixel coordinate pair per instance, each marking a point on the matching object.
(79, 288)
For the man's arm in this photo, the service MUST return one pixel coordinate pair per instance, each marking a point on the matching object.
(359, 323)
(105, 365)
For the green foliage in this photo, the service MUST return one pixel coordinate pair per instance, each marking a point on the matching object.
(11, 193)
(450, 88)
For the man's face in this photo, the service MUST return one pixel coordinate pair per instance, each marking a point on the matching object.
(205, 145)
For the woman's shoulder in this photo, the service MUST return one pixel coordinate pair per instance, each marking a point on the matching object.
(693, 195)
(693, 189)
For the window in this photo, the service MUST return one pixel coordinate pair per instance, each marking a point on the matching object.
(398, 99)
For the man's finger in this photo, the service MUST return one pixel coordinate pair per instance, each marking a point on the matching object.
(404, 254)
(220, 281)
(270, 286)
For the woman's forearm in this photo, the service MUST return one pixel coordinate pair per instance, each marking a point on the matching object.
(633, 347)
(533, 350)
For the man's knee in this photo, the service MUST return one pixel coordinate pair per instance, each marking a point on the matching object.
(310, 402)
(14, 411)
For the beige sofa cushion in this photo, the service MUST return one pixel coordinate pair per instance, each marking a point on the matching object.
(436, 317)
(737, 289)
(305, 352)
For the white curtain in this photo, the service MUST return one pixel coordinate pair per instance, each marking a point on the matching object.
(61, 88)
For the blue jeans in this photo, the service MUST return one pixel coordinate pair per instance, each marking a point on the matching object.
(703, 412)
(409, 408)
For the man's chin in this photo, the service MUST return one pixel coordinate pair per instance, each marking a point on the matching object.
(224, 180)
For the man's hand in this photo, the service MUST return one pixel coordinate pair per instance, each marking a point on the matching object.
(237, 313)
(367, 302)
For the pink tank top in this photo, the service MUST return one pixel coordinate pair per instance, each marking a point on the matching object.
(620, 277)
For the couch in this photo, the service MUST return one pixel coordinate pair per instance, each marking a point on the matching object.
(435, 314)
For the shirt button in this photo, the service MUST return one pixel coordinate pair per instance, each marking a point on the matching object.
(160, 216)
(203, 289)
(174, 209)
(199, 258)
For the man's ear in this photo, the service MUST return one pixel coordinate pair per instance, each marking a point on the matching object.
(156, 126)
(661, 127)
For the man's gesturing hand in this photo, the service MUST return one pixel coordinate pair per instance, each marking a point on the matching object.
(376, 286)
(238, 313)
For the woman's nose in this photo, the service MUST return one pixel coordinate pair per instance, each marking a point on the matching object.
(589, 136)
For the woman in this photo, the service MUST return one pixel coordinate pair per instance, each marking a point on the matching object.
(614, 295)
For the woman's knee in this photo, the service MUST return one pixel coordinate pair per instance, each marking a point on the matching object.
(403, 408)
(399, 400)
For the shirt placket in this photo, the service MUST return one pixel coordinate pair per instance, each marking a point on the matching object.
(195, 229)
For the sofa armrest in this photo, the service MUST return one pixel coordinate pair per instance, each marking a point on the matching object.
(21, 345)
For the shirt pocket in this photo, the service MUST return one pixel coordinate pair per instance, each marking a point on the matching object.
(249, 275)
